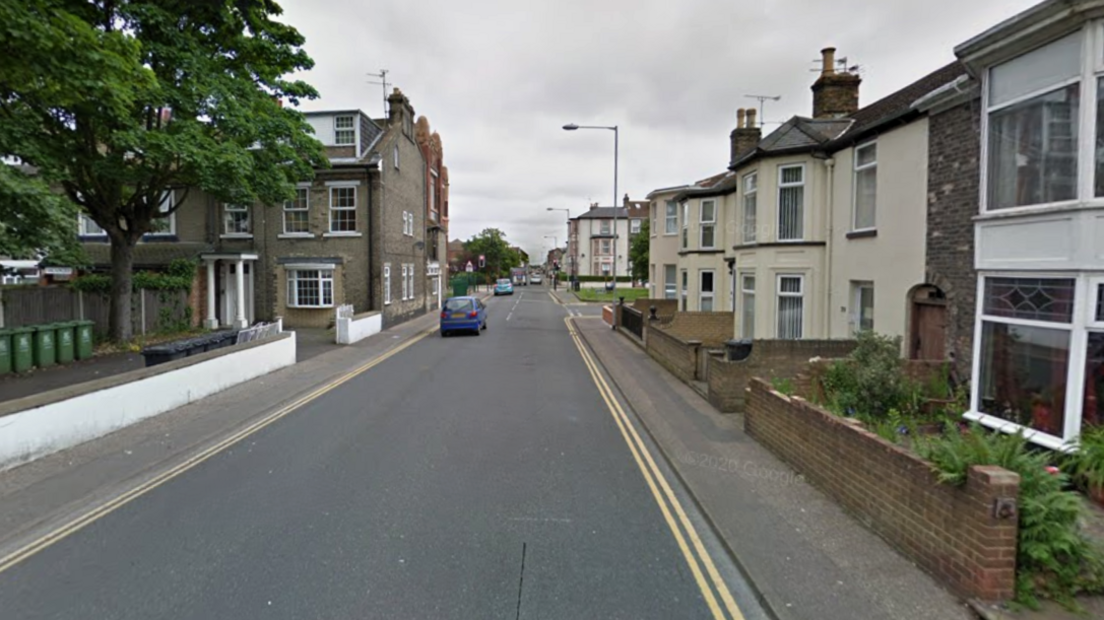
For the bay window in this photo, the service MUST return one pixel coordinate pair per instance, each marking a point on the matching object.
(791, 307)
(705, 290)
(747, 295)
(791, 203)
(671, 218)
(708, 218)
(670, 285)
(685, 224)
(751, 192)
(310, 288)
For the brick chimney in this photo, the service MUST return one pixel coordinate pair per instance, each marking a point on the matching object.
(835, 94)
(745, 136)
(398, 106)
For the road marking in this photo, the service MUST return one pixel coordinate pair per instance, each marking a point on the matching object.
(554, 298)
(520, 297)
(648, 471)
(79, 523)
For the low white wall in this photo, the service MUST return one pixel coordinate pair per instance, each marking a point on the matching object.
(34, 433)
(357, 329)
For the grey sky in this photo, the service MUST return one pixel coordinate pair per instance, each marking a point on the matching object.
(498, 79)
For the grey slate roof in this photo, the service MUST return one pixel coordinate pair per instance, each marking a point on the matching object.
(602, 213)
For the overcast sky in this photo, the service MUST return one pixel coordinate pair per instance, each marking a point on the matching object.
(499, 78)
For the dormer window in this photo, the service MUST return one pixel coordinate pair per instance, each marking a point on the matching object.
(344, 131)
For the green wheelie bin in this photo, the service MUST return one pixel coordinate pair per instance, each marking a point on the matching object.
(84, 339)
(66, 343)
(45, 345)
(22, 348)
(5, 351)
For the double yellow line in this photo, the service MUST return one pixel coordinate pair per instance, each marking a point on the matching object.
(654, 478)
(125, 498)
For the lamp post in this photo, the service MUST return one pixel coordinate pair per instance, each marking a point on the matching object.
(568, 211)
(574, 127)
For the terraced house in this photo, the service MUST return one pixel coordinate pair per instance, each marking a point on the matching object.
(356, 234)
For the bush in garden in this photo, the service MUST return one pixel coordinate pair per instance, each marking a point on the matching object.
(871, 381)
(1054, 559)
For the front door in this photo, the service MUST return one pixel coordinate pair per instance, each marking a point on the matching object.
(229, 291)
(929, 331)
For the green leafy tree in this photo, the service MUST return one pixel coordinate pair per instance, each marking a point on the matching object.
(638, 252)
(34, 220)
(491, 243)
(116, 102)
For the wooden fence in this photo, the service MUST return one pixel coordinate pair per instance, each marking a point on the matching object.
(151, 311)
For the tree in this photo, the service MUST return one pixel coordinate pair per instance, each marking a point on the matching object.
(638, 252)
(491, 243)
(35, 221)
(116, 102)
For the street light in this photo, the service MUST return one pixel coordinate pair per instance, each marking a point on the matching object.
(574, 127)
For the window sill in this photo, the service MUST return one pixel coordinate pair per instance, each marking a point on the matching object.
(1000, 424)
(312, 307)
(863, 234)
(1045, 209)
(236, 236)
(295, 236)
(343, 234)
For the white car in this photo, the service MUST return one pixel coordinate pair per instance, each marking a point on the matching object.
(535, 278)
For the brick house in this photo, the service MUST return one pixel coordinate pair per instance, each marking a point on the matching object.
(355, 234)
(1038, 349)
(436, 215)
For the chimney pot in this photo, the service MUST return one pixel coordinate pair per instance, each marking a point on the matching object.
(740, 118)
(751, 118)
(828, 60)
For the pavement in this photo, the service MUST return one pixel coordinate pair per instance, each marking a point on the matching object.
(407, 476)
(807, 558)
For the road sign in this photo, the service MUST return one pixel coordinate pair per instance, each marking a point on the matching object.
(469, 267)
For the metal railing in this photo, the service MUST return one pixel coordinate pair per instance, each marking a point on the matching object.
(258, 332)
(633, 320)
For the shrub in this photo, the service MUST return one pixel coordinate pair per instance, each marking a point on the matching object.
(1053, 558)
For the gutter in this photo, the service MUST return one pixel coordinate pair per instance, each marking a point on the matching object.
(830, 166)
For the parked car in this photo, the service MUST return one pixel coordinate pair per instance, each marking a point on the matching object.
(503, 287)
(535, 278)
(463, 314)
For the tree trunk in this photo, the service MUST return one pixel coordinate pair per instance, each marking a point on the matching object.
(122, 262)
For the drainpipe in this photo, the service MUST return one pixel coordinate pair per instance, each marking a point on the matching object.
(829, 166)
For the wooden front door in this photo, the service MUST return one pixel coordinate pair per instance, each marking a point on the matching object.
(929, 331)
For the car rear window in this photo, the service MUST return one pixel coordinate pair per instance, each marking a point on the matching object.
(504, 281)
(456, 305)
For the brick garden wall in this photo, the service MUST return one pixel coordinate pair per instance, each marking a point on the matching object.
(951, 532)
(674, 354)
(954, 146)
(770, 359)
(711, 328)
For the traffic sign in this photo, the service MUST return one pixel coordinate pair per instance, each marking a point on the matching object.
(469, 267)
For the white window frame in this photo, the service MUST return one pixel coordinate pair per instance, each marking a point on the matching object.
(227, 209)
(684, 286)
(710, 295)
(653, 228)
(88, 228)
(857, 287)
(856, 170)
(779, 294)
(1094, 283)
(168, 200)
(350, 129)
(332, 208)
(750, 186)
(670, 218)
(433, 211)
(670, 288)
(387, 284)
(395, 156)
(747, 295)
(634, 226)
(410, 277)
(325, 274)
(804, 198)
(292, 206)
(684, 213)
(1078, 328)
(704, 224)
(1092, 68)
(405, 274)
(604, 227)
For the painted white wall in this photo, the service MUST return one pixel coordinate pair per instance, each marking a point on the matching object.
(357, 329)
(662, 248)
(37, 432)
(893, 260)
(590, 227)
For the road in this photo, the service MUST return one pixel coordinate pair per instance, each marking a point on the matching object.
(463, 477)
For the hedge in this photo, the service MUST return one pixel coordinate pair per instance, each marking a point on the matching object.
(178, 276)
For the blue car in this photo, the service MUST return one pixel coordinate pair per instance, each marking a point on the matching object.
(463, 314)
(504, 287)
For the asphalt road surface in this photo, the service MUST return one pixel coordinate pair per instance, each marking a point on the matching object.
(464, 477)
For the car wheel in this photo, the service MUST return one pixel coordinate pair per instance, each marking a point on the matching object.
(477, 332)
(484, 325)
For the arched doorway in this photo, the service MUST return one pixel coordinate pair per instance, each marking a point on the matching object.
(928, 323)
